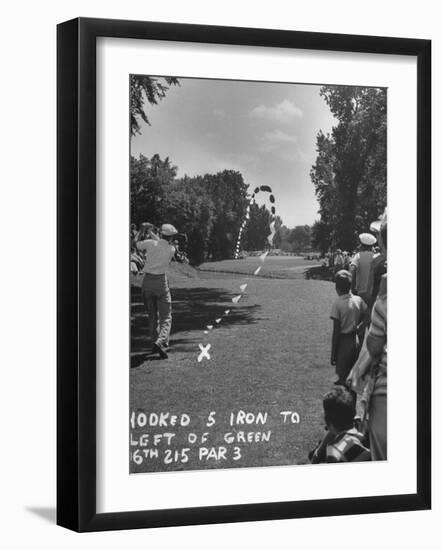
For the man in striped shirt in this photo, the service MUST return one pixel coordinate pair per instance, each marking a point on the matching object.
(343, 442)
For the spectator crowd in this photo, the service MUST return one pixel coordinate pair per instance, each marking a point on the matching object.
(355, 410)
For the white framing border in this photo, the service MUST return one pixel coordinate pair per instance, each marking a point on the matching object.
(116, 490)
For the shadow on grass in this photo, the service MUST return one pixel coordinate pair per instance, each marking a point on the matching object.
(137, 359)
(321, 273)
(193, 309)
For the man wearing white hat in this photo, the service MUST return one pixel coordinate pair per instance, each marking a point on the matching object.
(360, 268)
(155, 287)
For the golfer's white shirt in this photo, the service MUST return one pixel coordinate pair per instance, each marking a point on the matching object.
(158, 255)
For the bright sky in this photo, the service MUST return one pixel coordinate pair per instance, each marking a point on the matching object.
(266, 131)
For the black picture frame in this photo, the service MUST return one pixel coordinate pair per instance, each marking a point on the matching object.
(76, 273)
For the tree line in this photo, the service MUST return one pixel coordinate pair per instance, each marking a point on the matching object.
(209, 209)
(350, 172)
(349, 177)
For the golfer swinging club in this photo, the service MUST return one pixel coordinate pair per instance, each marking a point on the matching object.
(155, 287)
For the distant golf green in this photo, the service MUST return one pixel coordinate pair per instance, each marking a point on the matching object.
(270, 354)
(291, 267)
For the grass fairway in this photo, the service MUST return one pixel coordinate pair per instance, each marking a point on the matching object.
(270, 354)
(280, 267)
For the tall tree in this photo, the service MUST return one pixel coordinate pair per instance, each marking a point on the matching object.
(229, 195)
(209, 209)
(350, 170)
(321, 236)
(149, 183)
(191, 209)
(300, 238)
(257, 228)
(146, 88)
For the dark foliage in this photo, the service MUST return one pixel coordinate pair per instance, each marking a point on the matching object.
(350, 173)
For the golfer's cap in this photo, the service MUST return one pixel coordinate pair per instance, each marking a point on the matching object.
(168, 230)
(367, 239)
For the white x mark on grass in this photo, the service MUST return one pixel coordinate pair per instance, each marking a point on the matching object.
(204, 352)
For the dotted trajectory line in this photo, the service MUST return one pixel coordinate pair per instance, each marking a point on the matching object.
(203, 352)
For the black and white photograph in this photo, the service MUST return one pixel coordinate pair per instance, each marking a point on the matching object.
(196, 201)
(258, 273)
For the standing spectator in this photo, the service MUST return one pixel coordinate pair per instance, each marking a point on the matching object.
(155, 287)
(377, 348)
(379, 264)
(327, 259)
(349, 316)
(338, 261)
(378, 269)
(360, 268)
